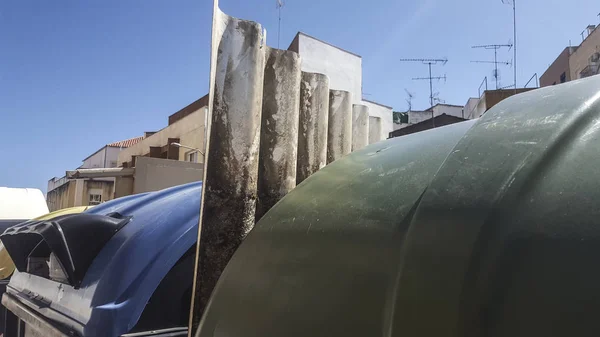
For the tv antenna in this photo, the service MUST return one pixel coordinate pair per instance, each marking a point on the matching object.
(437, 99)
(429, 62)
(495, 47)
(279, 4)
(409, 99)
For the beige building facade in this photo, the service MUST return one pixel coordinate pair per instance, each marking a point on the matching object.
(585, 60)
(64, 192)
(108, 173)
(186, 127)
(559, 71)
(80, 192)
(575, 62)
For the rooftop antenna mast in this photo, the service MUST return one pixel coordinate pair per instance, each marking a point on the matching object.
(429, 62)
(409, 99)
(279, 4)
(495, 47)
(514, 8)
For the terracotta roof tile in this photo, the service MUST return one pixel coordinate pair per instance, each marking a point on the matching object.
(127, 142)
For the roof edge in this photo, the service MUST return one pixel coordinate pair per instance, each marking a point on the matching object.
(327, 43)
(373, 102)
(91, 155)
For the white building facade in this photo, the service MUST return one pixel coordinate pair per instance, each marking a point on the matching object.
(344, 70)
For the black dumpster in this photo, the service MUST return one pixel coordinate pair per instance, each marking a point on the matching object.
(481, 228)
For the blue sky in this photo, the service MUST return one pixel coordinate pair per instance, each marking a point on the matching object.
(75, 75)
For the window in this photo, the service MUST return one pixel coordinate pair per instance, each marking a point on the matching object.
(192, 156)
(95, 199)
(563, 77)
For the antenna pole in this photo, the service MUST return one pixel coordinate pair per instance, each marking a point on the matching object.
(496, 66)
(279, 27)
(430, 88)
(515, 43)
(429, 62)
(431, 96)
(279, 4)
(495, 47)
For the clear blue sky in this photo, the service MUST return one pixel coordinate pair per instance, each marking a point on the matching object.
(75, 75)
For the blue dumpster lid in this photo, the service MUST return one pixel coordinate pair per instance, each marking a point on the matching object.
(144, 236)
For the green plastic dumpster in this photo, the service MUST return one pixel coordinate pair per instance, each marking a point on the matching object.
(482, 228)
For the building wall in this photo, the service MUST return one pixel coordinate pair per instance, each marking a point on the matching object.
(106, 157)
(153, 174)
(112, 156)
(415, 117)
(440, 121)
(56, 183)
(96, 160)
(62, 196)
(481, 107)
(471, 108)
(343, 68)
(398, 126)
(580, 57)
(104, 187)
(385, 113)
(194, 106)
(560, 66)
(123, 186)
(450, 110)
(76, 192)
(189, 130)
(493, 97)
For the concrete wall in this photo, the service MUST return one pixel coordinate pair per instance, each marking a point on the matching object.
(104, 187)
(105, 157)
(439, 122)
(398, 126)
(415, 117)
(561, 65)
(153, 174)
(375, 130)
(198, 104)
(112, 156)
(61, 197)
(360, 126)
(96, 160)
(279, 128)
(386, 115)
(580, 58)
(470, 108)
(123, 186)
(493, 97)
(189, 130)
(481, 107)
(76, 192)
(450, 110)
(343, 68)
(313, 125)
(56, 183)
